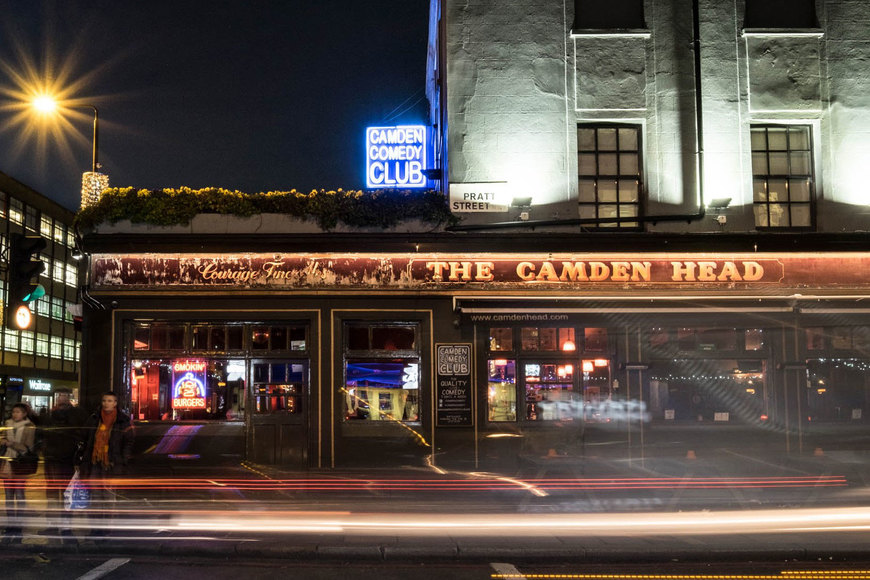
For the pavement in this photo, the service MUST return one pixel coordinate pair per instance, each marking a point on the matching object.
(348, 514)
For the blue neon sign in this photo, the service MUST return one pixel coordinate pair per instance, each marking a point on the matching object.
(395, 156)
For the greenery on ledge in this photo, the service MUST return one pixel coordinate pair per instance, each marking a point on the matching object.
(166, 207)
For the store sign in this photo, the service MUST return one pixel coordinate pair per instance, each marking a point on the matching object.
(483, 271)
(37, 385)
(479, 197)
(188, 384)
(395, 156)
(453, 390)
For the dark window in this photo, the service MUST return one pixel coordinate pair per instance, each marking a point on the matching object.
(782, 176)
(780, 14)
(609, 174)
(610, 14)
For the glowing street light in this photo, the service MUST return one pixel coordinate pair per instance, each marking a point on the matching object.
(93, 183)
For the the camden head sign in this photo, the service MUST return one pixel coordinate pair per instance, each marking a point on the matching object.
(395, 156)
(479, 271)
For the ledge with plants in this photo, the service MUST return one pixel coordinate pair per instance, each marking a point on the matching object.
(363, 209)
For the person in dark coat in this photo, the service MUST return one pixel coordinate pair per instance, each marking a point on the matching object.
(107, 451)
(62, 439)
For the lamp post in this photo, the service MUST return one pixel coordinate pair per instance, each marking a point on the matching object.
(93, 183)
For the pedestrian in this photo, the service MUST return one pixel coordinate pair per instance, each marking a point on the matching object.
(62, 441)
(107, 452)
(17, 438)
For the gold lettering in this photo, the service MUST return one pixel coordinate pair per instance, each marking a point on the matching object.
(437, 270)
(620, 271)
(573, 272)
(598, 271)
(705, 271)
(547, 273)
(641, 271)
(460, 270)
(526, 271)
(729, 272)
(484, 271)
(752, 271)
(683, 271)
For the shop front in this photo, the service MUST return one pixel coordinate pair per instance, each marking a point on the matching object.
(481, 360)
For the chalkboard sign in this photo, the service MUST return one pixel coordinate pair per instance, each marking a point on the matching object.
(453, 391)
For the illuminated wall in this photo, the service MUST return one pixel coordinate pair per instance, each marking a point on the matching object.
(519, 80)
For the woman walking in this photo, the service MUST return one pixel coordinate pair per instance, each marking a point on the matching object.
(17, 438)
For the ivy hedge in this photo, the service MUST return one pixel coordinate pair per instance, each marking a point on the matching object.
(166, 207)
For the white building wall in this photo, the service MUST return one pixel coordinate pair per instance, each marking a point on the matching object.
(519, 81)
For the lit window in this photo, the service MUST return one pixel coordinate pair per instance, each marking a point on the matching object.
(782, 176)
(609, 175)
(16, 211)
(45, 227)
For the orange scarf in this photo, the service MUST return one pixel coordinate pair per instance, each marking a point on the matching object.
(101, 443)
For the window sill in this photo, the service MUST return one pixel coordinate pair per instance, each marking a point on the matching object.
(774, 32)
(611, 32)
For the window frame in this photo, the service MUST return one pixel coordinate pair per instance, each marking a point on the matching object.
(618, 223)
(787, 177)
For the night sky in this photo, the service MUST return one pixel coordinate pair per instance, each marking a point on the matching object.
(252, 95)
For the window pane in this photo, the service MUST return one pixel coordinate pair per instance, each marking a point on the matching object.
(259, 338)
(530, 338)
(200, 338)
(777, 139)
(759, 164)
(217, 338)
(761, 216)
(585, 139)
(759, 140)
(779, 215)
(278, 338)
(628, 140)
(595, 339)
(753, 339)
(142, 338)
(176, 337)
(548, 338)
(358, 338)
(587, 190)
(800, 163)
(779, 163)
(799, 138)
(382, 390)
(608, 211)
(628, 190)
(607, 190)
(627, 211)
(607, 139)
(759, 187)
(501, 339)
(298, 339)
(586, 164)
(815, 338)
(392, 338)
(158, 338)
(799, 189)
(801, 216)
(235, 335)
(502, 390)
(607, 164)
(776, 190)
(628, 164)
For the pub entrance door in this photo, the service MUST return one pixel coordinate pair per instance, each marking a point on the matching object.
(279, 414)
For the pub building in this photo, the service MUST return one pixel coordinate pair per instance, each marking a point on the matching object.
(663, 245)
(464, 351)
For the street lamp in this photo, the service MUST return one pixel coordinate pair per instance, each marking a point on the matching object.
(93, 183)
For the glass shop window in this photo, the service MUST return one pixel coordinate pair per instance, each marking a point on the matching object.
(659, 337)
(217, 337)
(501, 391)
(548, 339)
(753, 339)
(501, 339)
(382, 373)
(836, 389)
(280, 387)
(158, 337)
(186, 389)
(595, 339)
(278, 338)
(549, 391)
(815, 338)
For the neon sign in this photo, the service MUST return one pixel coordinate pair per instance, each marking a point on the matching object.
(396, 156)
(188, 384)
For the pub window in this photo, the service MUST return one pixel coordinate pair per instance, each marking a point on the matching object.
(167, 337)
(780, 14)
(278, 338)
(618, 14)
(549, 391)
(782, 177)
(595, 339)
(753, 339)
(711, 339)
(659, 337)
(501, 391)
(179, 389)
(547, 339)
(382, 372)
(609, 175)
(841, 338)
(501, 339)
(815, 338)
(280, 387)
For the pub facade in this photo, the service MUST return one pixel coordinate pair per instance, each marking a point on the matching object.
(454, 350)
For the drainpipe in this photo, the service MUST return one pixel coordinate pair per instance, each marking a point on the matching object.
(699, 164)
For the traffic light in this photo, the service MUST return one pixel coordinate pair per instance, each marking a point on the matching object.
(21, 289)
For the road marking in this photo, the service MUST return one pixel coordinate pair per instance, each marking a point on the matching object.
(506, 571)
(104, 568)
